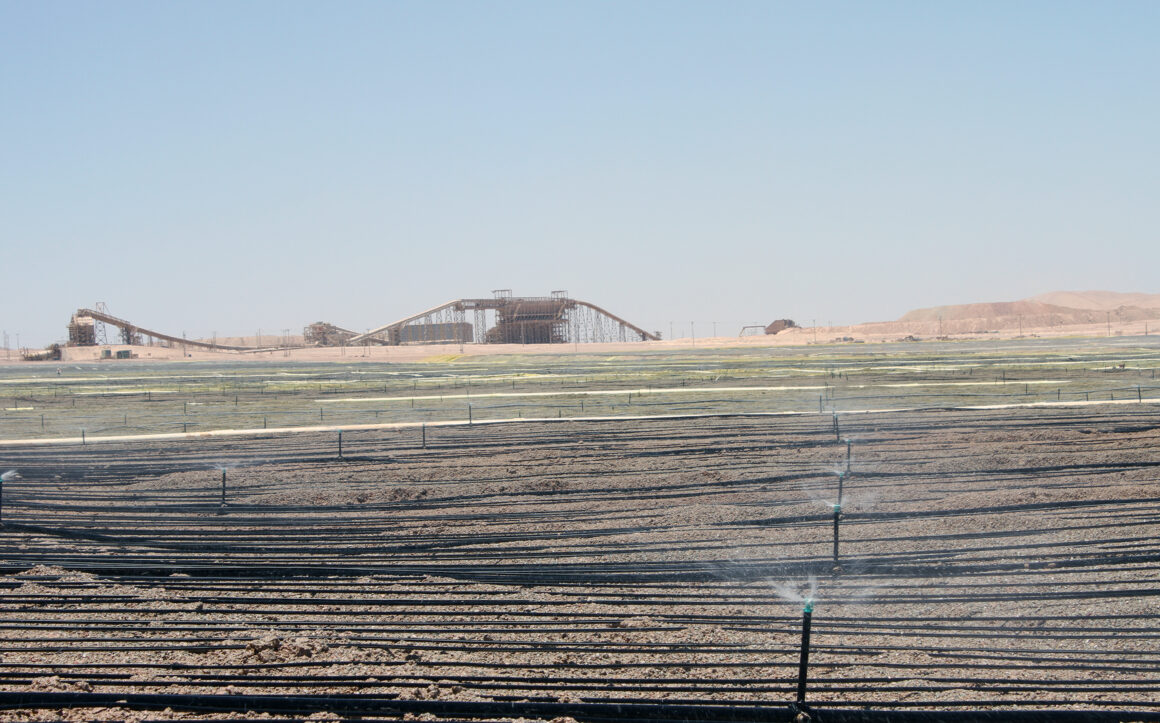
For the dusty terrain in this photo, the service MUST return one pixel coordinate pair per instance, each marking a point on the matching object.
(987, 559)
(641, 550)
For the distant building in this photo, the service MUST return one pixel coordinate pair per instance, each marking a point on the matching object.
(780, 325)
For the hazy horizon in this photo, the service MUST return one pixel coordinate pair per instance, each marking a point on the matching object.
(219, 167)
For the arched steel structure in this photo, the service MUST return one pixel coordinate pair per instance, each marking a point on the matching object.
(504, 319)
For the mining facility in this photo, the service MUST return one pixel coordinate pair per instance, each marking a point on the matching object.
(501, 319)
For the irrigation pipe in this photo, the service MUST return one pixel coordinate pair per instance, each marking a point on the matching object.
(609, 712)
(526, 420)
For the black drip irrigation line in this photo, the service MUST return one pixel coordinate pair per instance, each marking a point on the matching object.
(622, 574)
(608, 712)
(759, 688)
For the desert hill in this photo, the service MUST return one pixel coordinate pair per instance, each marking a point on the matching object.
(1050, 310)
(987, 311)
(1098, 300)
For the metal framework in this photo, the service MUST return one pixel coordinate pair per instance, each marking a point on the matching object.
(322, 333)
(502, 319)
(99, 326)
(507, 319)
(86, 329)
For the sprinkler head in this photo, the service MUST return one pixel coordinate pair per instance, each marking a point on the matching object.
(808, 605)
(837, 509)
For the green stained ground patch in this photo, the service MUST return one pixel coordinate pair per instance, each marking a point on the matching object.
(151, 397)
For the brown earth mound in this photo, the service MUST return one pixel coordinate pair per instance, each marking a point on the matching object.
(987, 311)
(1056, 309)
(1099, 300)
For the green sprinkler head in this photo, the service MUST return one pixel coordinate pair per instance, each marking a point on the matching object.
(808, 605)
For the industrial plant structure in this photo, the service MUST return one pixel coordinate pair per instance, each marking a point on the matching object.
(507, 319)
(87, 328)
(502, 319)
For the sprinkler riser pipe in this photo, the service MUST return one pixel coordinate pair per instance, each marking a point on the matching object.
(804, 660)
(837, 516)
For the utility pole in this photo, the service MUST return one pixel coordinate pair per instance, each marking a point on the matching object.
(692, 333)
(1108, 313)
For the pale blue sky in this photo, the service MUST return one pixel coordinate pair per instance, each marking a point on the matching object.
(225, 166)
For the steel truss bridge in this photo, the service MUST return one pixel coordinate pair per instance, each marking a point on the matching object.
(507, 319)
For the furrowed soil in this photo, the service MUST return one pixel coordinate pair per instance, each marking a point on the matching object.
(986, 559)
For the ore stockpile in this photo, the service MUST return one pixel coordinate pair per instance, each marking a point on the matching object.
(979, 560)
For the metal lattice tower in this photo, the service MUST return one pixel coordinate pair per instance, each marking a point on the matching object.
(99, 326)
